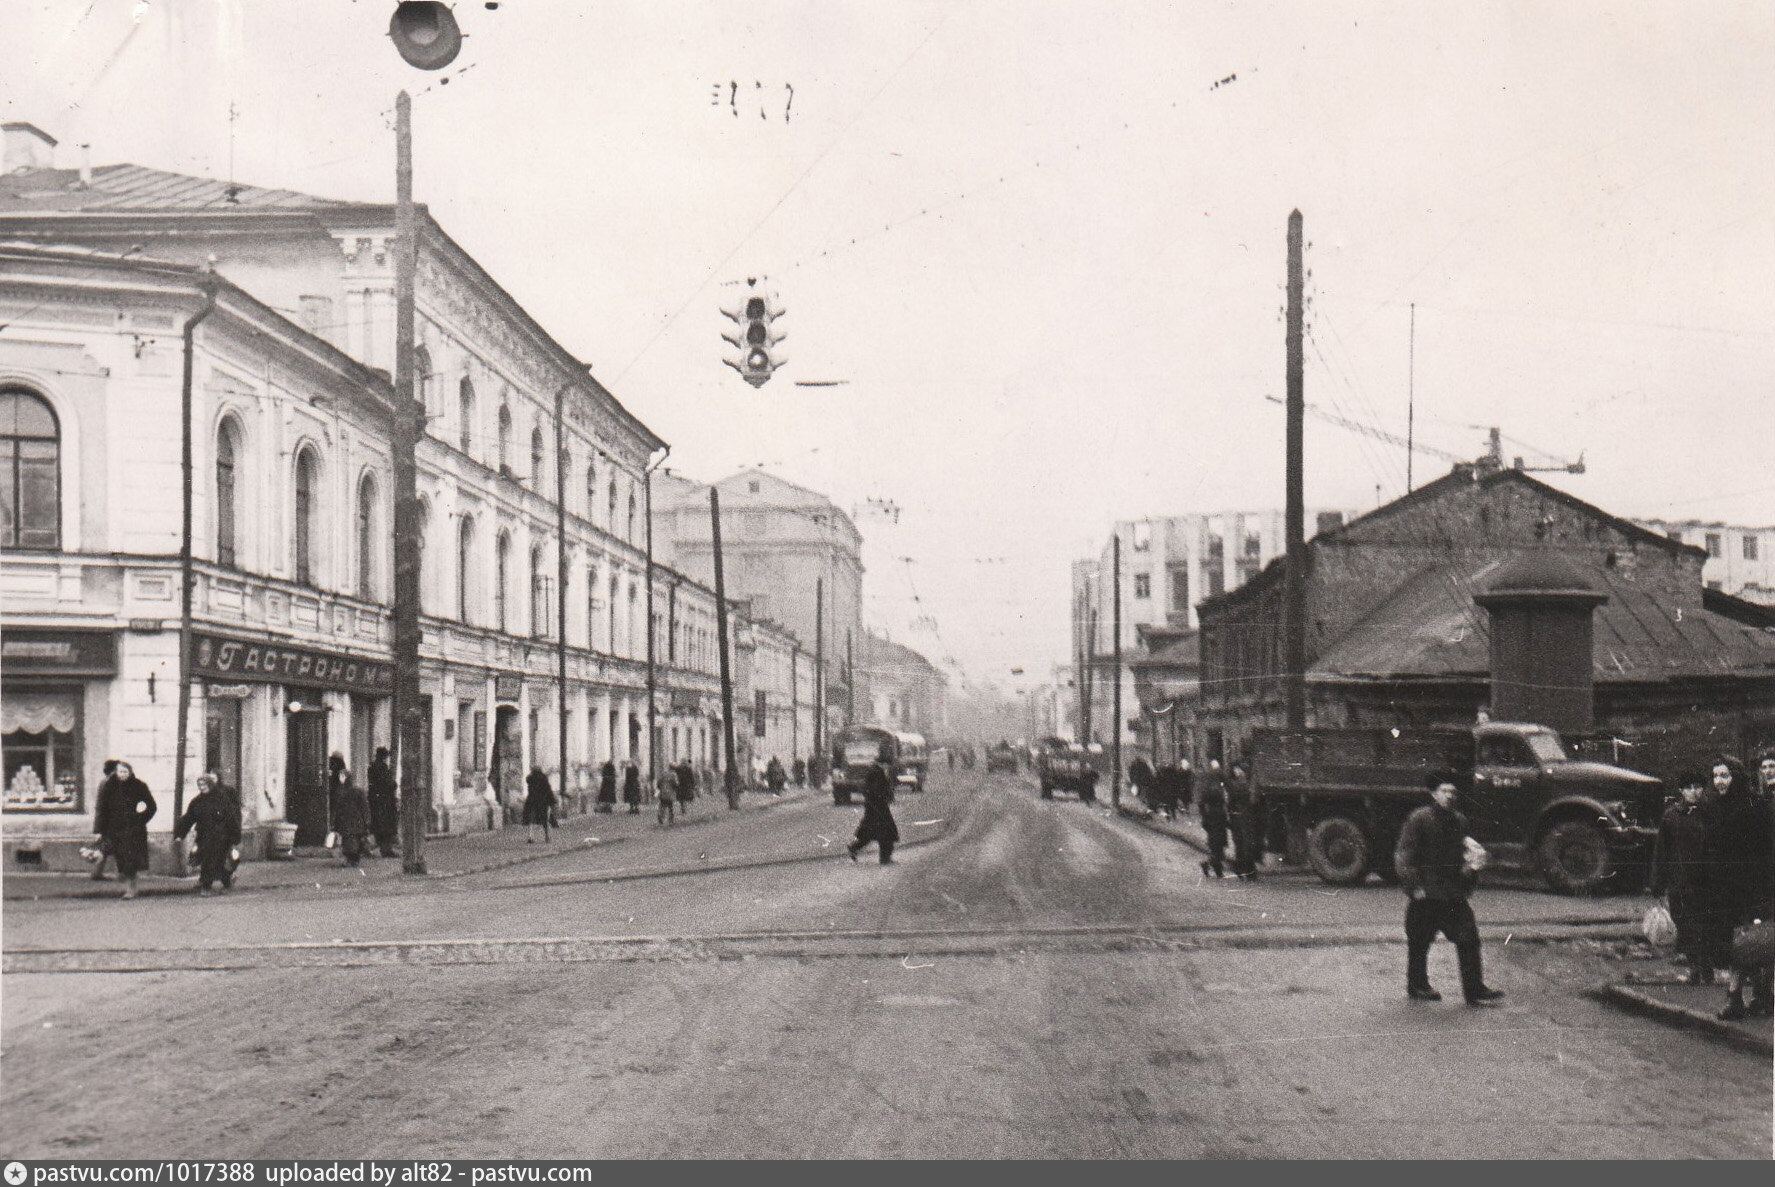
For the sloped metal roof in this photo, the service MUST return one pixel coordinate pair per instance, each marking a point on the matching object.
(134, 188)
(1431, 629)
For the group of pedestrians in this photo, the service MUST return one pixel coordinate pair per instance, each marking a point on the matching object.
(365, 820)
(1714, 862)
(124, 807)
(1231, 810)
(1164, 789)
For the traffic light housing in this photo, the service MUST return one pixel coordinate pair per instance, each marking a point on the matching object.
(425, 33)
(755, 335)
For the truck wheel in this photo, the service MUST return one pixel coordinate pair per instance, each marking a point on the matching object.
(1047, 791)
(1337, 849)
(1574, 857)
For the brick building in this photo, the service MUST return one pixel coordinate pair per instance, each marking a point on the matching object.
(1394, 636)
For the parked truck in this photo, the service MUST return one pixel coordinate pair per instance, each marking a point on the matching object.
(1348, 791)
(856, 748)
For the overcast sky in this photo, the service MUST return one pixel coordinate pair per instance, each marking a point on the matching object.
(1043, 247)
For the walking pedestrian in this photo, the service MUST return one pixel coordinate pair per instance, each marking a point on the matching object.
(1766, 775)
(1140, 778)
(215, 815)
(351, 810)
(539, 804)
(125, 806)
(878, 815)
(1438, 865)
(1244, 813)
(385, 811)
(800, 770)
(1214, 819)
(668, 797)
(686, 777)
(631, 787)
(775, 777)
(1740, 850)
(105, 854)
(1680, 871)
(607, 787)
(1186, 785)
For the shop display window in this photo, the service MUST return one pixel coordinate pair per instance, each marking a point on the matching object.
(41, 735)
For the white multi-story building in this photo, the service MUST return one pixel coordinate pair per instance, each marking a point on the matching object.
(1169, 565)
(529, 469)
(1740, 560)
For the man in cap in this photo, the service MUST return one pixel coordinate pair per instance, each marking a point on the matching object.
(1438, 866)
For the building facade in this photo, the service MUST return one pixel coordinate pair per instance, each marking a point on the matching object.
(899, 689)
(532, 480)
(1740, 560)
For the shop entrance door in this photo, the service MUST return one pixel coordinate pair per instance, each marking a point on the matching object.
(305, 776)
(508, 755)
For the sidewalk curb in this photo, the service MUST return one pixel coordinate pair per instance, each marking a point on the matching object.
(1628, 998)
(168, 885)
(1146, 822)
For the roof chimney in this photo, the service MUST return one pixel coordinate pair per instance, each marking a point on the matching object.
(27, 147)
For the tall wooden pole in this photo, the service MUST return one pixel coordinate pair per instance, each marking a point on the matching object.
(820, 669)
(652, 646)
(1294, 613)
(1115, 780)
(850, 680)
(731, 780)
(409, 423)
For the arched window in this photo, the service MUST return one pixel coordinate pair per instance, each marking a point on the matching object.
(536, 458)
(631, 517)
(30, 472)
(591, 488)
(422, 530)
(465, 565)
(307, 493)
(591, 606)
(502, 556)
(610, 524)
(505, 440)
(611, 618)
(465, 412)
(227, 493)
(634, 624)
(539, 603)
(366, 538)
(422, 380)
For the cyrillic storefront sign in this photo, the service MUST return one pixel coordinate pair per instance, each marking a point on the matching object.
(216, 657)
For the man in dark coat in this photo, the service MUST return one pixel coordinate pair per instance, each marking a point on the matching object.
(607, 787)
(1140, 778)
(685, 774)
(1679, 869)
(1214, 819)
(631, 786)
(878, 817)
(385, 811)
(125, 806)
(800, 769)
(1244, 814)
(539, 804)
(1438, 866)
(215, 814)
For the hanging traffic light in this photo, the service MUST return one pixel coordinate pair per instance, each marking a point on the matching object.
(425, 34)
(756, 336)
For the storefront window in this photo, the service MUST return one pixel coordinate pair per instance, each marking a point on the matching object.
(221, 739)
(41, 733)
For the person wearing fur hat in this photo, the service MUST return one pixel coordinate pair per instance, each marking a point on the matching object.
(1438, 864)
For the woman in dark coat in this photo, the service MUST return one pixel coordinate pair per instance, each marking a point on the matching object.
(385, 812)
(607, 786)
(351, 810)
(686, 775)
(878, 816)
(631, 786)
(1245, 811)
(215, 814)
(121, 820)
(1740, 851)
(1679, 870)
(1140, 777)
(539, 803)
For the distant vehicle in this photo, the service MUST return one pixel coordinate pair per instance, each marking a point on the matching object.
(856, 748)
(1001, 756)
(1351, 789)
(1067, 766)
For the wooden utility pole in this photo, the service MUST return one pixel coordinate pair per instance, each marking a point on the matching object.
(850, 680)
(652, 646)
(409, 423)
(1294, 654)
(820, 669)
(731, 779)
(1115, 778)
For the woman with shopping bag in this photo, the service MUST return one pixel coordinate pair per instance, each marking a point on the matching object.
(1681, 873)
